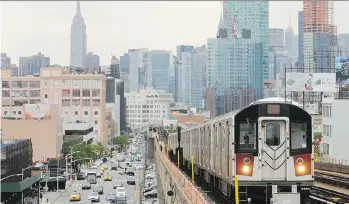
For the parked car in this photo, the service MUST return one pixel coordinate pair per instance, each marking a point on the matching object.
(151, 194)
(121, 193)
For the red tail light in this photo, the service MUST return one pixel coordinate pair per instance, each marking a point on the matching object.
(244, 164)
(302, 164)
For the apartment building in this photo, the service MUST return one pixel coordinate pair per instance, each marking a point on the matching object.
(145, 105)
(81, 95)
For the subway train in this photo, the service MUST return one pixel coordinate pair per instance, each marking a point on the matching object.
(266, 146)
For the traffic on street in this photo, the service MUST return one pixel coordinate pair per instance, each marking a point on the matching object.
(124, 178)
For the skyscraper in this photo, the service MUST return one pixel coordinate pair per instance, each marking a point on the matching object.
(138, 60)
(300, 40)
(115, 67)
(31, 65)
(234, 65)
(91, 63)
(241, 17)
(276, 38)
(318, 40)
(157, 69)
(125, 63)
(5, 61)
(78, 40)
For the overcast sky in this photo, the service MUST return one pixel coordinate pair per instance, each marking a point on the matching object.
(114, 27)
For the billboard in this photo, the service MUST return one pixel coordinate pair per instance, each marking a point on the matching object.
(316, 82)
(37, 112)
(342, 71)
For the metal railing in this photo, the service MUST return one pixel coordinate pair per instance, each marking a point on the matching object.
(185, 191)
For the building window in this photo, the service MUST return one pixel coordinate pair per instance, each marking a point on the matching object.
(86, 112)
(96, 93)
(19, 112)
(65, 83)
(96, 112)
(96, 122)
(46, 95)
(34, 84)
(86, 93)
(5, 85)
(34, 101)
(76, 84)
(96, 84)
(66, 93)
(76, 93)
(6, 93)
(5, 112)
(76, 112)
(19, 84)
(19, 102)
(85, 83)
(86, 102)
(65, 102)
(19, 93)
(96, 102)
(34, 93)
(76, 102)
(14, 112)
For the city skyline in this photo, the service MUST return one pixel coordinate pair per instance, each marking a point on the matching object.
(105, 38)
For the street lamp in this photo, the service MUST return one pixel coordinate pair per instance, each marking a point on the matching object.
(71, 141)
(66, 162)
(72, 148)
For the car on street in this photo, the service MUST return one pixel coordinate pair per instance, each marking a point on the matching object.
(149, 189)
(108, 177)
(121, 193)
(111, 198)
(131, 180)
(118, 184)
(99, 189)
(81, 176)
(93, 196)
(151, 183)
(151, 194)
(98, 174)
(86, 185)
(75, 196)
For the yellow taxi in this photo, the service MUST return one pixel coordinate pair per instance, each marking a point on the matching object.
(75, 196)
(108, 177)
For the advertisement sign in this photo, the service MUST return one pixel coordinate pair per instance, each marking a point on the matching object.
(316, 82)
(37, 111)
(342, 71)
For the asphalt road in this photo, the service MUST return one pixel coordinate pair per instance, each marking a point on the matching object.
(133, 195)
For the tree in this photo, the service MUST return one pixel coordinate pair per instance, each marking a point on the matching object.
(121, 140)
(317, 138)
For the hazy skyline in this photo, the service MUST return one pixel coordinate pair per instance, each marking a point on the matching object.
(114, 27)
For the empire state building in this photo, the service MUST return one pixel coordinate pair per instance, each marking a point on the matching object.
(78, 42)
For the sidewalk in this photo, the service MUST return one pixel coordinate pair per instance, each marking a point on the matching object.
(53, 196)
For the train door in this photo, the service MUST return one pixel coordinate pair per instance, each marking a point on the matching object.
(273, 147)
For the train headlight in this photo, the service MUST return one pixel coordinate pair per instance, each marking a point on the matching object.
(247, 160)
(246, 169)
(301, 169)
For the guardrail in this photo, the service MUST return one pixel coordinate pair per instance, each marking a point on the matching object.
(170, 178)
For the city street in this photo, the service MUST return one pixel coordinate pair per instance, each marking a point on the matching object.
(133, 191)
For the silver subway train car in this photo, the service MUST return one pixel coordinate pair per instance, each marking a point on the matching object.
(267, 145)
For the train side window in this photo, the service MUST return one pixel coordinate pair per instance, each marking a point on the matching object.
(247, 136)
(272, 134)
(298, 135)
